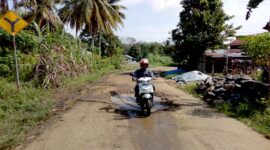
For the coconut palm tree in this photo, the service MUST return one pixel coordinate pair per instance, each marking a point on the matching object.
(3, 7)
(92, 15)
(43, 12)
(15, 4)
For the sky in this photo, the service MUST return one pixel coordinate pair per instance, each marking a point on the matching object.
(152, 20)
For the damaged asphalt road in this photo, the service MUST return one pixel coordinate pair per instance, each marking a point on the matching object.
(185, 123)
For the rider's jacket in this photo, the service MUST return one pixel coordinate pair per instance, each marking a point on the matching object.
(143, 73)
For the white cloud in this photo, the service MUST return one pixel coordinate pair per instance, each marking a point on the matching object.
(167, 11)
(131, 2)
(153, 33)
(161, 5)
(258, 18)
(156, 5)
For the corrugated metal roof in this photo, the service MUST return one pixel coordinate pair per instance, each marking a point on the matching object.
(129, 57)
(237, 53)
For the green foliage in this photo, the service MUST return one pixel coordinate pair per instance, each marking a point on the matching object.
(261, 122)
(118, 58)
(4, 70)
(156, 52)
(51, 59)
(250, 115)
(20, 111)
(257, 75)
(258, 47)
(93, 16)
(252, 4)
(190, 89)
(25, 41)
(135, 51)
(156, 59)
(104, 44)
(27, 48)
(202, 26)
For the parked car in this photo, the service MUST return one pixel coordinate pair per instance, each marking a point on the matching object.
(193, 76)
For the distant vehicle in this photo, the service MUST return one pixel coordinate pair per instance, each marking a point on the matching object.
(193, 76)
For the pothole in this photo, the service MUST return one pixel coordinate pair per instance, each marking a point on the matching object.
(127, 103)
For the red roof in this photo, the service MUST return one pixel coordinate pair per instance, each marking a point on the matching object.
(237, 43)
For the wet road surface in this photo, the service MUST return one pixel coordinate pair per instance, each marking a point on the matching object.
(100, 120)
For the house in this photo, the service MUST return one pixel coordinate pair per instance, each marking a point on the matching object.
(236, 44)
(130, 59)
(233, 61)
(228, 41)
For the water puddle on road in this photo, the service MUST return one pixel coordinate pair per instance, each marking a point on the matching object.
(127, 103)
(156, 132)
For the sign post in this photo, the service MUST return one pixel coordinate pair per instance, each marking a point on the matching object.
(16, 63)
(12, 23)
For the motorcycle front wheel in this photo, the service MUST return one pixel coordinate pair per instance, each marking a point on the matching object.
(145, 107)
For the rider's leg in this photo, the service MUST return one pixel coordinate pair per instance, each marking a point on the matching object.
(136, 89)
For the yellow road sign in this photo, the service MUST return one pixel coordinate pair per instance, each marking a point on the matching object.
(12, 23)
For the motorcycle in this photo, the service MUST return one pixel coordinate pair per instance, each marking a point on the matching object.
(146, 95)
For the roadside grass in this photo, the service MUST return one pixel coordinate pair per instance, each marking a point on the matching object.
(250, 114)
(159, 60)
(21, 112)
(253, 117)
(190, 89)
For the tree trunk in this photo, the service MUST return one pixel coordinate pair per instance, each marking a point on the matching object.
(15, 4)
(100, 34)
(195, 57)
(4, 6)
(93, 42)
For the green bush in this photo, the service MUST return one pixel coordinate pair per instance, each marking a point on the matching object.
(4, 70)
(20, 111)
(118, 58)
(190, 89)
(26, 41)
(156, 59)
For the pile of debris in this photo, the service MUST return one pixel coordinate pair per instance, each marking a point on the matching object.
(234, 89)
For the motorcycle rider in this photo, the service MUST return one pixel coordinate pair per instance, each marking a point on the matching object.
(142, 72)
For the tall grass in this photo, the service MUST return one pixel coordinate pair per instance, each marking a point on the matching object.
(246, 113)
(19, 112)
(157, 59)
(50, 60)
